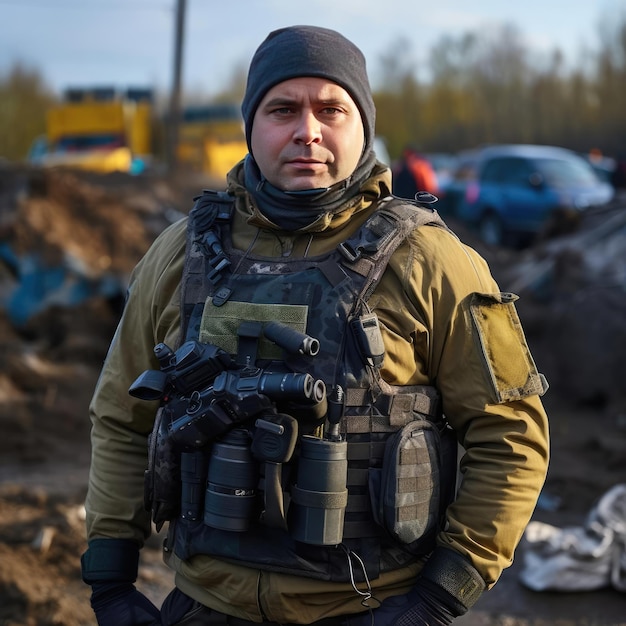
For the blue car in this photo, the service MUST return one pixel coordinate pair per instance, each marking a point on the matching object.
(519, 193)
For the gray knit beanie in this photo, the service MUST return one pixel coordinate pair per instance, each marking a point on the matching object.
(298, 51)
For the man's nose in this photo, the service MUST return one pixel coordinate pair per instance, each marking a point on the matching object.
(308, 129)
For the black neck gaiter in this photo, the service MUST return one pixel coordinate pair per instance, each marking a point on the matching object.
(295, 210)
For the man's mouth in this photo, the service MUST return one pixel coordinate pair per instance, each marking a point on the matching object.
(305, 161)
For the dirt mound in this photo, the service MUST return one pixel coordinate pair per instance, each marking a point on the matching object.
(68, 242)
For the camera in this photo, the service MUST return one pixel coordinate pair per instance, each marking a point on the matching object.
(193, 366)
(229, 427)
(208, 393)
(234, 398)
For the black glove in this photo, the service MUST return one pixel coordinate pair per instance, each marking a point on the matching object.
(416, 608)
(426, 610)
(446, 588)
(110, 566)
(120, 604)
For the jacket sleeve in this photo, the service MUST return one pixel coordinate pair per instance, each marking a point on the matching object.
(120, 423)
(465, 337)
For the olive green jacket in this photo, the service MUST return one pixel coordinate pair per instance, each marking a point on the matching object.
(444, 323)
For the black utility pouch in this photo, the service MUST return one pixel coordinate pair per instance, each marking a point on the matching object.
(162, 479)
(411, 491)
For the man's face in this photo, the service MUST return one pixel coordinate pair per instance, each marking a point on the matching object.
(307, 133)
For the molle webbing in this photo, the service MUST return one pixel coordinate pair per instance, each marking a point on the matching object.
(394, 410)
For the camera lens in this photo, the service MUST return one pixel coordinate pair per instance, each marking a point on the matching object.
(287, 385)
(231, 487)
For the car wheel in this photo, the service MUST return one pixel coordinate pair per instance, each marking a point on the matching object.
(491, 229)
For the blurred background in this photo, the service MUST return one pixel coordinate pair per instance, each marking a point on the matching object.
(114, 114)
(446, 78)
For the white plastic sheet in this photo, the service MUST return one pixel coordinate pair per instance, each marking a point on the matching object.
(592, 556)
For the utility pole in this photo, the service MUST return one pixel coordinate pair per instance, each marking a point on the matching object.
(174, 111)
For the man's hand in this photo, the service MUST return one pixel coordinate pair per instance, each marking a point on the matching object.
(120, 604)
(110, 566)
(446, 588)
(416, 608)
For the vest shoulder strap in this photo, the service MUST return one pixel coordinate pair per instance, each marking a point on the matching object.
(209, 208)
(368, 252)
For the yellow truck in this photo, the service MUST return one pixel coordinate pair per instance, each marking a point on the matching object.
(211, 139)
(99, 129)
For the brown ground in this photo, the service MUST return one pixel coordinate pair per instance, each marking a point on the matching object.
(48, 368)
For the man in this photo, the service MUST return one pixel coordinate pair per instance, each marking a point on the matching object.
(301, 454)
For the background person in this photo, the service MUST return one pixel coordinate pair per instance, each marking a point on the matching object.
(413, 172)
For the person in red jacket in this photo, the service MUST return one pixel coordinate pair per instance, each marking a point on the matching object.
(413, 173)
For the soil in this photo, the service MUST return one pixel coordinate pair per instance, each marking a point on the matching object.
(49, 364)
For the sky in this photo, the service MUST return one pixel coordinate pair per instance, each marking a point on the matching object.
(123, 43)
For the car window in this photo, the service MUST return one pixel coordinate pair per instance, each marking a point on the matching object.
(507, 170)
(465, 168)
(567, 172)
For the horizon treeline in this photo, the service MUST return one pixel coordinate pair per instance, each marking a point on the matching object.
(480, 87)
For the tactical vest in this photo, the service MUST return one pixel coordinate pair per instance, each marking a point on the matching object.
(401, 456)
